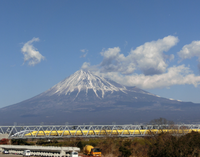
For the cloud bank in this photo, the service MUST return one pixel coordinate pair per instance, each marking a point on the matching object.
(31, 55)
(152, 63)
(176, 75)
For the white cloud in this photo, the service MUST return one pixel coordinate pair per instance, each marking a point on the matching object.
(126, 43)
(31, 54)
(83, 56)
(190, 50)
(85, 65)
(113, 61)
(149, 58)
(84, 51)
(176, 75)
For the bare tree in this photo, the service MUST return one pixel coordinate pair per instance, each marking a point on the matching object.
(161, 121)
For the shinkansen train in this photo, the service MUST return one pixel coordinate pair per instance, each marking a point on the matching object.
(129, 130)
(107, 132)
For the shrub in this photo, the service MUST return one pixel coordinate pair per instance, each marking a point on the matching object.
(124, 151)
(19, 142)
(189, 144)
(164, 145)
(171, 146)
(4, 141)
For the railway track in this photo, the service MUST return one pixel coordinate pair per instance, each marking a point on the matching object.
(68, 131)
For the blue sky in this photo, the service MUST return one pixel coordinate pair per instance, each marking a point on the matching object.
(154, 45)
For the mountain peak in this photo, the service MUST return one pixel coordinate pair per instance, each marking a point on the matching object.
(84, 96)
(84, 80)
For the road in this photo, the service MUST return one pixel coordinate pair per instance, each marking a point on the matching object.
(9, 155)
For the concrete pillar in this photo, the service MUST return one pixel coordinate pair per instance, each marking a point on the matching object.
(62, 153)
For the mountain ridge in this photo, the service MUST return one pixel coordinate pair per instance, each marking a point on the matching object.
(84, 96)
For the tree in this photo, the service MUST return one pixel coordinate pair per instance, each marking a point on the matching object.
(161, 121)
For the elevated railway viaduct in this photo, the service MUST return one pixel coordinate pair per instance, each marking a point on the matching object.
(69, 131)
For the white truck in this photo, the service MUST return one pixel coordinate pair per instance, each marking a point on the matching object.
(72, 154)
(26, 153)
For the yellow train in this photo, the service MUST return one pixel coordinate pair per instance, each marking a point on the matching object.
(106, 132)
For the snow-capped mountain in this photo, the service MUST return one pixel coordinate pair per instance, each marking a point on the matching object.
(83, 85)
(84, 97)
(83, 80)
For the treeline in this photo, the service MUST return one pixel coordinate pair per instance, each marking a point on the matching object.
(171, 146)
(162, 145)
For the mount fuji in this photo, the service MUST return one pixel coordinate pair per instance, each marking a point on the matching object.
(85, 97)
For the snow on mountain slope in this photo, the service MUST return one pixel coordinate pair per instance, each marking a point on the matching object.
(84, 80)
(85, 97)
